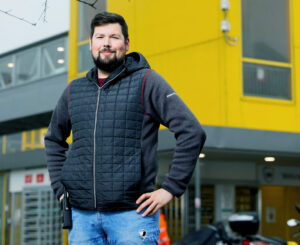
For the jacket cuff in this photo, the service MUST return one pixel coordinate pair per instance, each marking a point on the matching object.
(174, 191)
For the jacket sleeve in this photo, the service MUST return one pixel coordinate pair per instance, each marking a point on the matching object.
(163, 104)
(55, 142)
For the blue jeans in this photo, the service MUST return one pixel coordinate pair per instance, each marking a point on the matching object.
(113, 228)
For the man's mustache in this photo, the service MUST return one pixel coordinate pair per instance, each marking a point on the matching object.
(107, 50)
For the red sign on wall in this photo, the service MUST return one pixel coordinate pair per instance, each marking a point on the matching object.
(28, 178)
(39, 178)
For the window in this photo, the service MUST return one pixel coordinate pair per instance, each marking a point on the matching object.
(6, 72)
(207, 205)
(266, 81)
(1, 144)
(54, 57)
(266, 49)
(86, 14)
(14, 143)
(31, 64)
(85, 61)
(23, 141)
(33, 139)
(27, 66)
(245, 199)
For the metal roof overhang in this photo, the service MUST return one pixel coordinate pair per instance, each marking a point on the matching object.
(228, 143)
(29, 106)
(223, 143)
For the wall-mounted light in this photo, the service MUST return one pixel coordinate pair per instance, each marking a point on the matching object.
(202, 155)
(60, 49)
(269, 159)
(60, 61)
(10, 65)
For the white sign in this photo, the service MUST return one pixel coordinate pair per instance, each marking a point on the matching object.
(227, 201)
(23, 178)
(197, 202)
(270, 215)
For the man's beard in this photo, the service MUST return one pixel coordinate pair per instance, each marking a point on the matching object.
(108, 65)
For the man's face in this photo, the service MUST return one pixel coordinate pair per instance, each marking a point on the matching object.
(108, 46)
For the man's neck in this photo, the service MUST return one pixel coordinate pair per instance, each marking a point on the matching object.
(102, 74)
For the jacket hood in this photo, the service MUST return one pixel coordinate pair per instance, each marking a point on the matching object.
(136, 61)
(133, 62)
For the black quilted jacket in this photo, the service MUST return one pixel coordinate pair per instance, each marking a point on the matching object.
(112, 160)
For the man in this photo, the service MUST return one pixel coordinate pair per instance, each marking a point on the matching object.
(114, 113)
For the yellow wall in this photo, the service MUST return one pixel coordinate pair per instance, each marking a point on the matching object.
(182, 40)
(283, 199)
(181, 44)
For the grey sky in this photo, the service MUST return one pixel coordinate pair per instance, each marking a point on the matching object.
(16, 33)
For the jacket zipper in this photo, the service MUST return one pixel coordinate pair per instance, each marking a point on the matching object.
(95, 126)
(94, 159)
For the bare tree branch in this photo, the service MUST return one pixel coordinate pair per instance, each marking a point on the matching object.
(14, 16)
(44, 12)
(43, 15)
(90, 4)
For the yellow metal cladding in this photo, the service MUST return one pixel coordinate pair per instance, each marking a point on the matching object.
(183, 42)
(33, 139)
(25, 142)
(3, 206)
(73, 56)
(73, 33)
(295, 7)
(267, 62)
(3, 144)
(252, 112)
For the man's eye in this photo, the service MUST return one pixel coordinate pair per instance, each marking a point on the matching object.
(115, 37)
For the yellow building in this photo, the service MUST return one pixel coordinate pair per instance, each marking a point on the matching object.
(235, 65)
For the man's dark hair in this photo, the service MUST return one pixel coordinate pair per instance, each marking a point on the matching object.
(109, 18)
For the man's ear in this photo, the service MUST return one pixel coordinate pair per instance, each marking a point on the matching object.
(90, 41)
(127, 44)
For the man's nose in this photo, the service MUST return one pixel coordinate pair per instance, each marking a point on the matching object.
(106, 42)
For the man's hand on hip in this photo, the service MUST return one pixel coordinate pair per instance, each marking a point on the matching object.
(61, 197)
(154, 201)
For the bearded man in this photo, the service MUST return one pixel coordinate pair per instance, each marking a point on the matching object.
(114, 113)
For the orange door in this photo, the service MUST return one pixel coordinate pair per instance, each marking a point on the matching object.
(278, 205)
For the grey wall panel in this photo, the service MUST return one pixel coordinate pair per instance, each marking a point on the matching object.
(252, 140)
(32, 98)
(25, 123)
(26, 159)
(240, 139)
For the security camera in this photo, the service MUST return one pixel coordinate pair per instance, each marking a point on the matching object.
(225, 26)
(225, 5)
